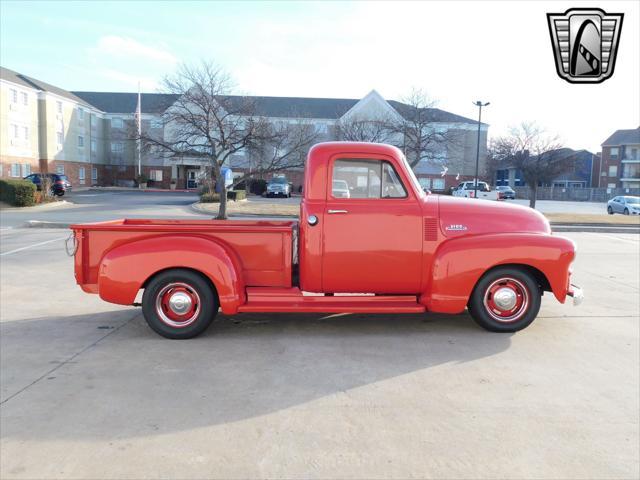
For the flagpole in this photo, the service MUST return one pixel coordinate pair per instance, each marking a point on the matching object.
(139, 118)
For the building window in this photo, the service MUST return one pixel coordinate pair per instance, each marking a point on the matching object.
(80, 113)
(60, 169)
(15, 170)
(611, 185)
(93, 120)
(613, 170)
(634, 154)
(155, 175)
(25, 98)
(14, 95)
(116, 147)
(425, 183)
(94, 174)
(438, 183)
(94, 146)
(116, 122)
(14, 130)
(59, 107)
(80, 141)
(26, 169)
(25, 133)
(321, 128)
(81, 175)
(60, 138)
(613, 152)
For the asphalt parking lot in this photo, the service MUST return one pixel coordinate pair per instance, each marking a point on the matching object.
(89, 391)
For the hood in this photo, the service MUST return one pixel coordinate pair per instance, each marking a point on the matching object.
(466, 216)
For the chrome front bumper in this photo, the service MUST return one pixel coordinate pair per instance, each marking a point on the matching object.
(577, 294)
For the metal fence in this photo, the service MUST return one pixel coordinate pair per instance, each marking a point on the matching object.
(576, 194)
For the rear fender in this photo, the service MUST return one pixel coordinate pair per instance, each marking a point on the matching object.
(460, 262)
(125, 269)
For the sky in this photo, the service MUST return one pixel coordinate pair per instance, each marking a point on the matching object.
(456, 51)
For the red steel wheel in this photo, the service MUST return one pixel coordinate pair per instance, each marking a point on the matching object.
(506, 299)
(178, 305)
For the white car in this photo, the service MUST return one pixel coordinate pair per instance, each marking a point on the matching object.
(340, 189)
(468, 189)
(624, 204)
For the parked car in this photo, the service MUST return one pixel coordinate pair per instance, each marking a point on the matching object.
(408, 251)
(278, 187)
(340, 189)
(507, 192)
(468, 190)
(626, 205)
(59, 184)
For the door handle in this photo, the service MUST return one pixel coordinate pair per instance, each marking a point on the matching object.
(337, 211)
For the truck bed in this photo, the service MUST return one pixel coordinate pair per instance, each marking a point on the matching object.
(264, 248)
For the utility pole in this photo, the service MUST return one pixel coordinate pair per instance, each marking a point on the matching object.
(478, 104)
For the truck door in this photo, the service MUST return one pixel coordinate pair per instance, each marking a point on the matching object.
(372, 237)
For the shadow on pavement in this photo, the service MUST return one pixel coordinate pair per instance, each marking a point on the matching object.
(134, 383)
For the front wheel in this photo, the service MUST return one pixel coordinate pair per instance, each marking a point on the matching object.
(505, 300)
(179, 304)
(626, 211)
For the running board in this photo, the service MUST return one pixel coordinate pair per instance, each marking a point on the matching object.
(266, 299)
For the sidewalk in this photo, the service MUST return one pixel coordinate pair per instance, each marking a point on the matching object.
(43, 206)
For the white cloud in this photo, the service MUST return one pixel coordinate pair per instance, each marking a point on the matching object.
(116, 46)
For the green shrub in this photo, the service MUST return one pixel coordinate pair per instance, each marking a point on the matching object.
(207, 197)
(20, 193)
(258, 186)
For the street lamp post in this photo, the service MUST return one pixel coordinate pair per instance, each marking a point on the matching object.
(478, 104)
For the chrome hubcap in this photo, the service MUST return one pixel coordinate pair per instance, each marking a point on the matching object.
(180, 303)
(505, 298)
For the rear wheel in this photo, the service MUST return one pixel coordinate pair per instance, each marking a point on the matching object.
(610, 210)
(505, 299)
(626, 211)
(179, 304)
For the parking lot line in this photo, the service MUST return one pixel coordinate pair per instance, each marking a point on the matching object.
(31, 246)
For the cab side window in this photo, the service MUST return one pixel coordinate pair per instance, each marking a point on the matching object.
(360, 178)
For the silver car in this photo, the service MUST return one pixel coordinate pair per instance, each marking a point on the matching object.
(624, 204)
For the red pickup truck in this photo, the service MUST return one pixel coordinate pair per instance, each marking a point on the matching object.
(379, 245)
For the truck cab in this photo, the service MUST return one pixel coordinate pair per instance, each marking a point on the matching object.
(368, 240)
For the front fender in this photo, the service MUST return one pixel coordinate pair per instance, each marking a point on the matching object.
(460, 262)
(125, 269)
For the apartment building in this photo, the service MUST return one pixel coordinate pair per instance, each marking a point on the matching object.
(620, 166)
(86, 135)
(48, 129)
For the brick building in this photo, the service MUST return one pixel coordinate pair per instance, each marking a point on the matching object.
(620, 166)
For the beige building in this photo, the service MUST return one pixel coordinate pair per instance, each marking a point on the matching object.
(48, 129)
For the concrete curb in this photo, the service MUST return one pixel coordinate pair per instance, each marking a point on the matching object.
(41, 224)
(44, 206)
(150, 190)
(595, 228)
(556, 228)
(196, 208)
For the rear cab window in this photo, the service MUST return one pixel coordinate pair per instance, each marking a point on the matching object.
(364, 178)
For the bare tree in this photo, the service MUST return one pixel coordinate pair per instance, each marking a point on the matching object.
(209, 124)
(539, 156)
(362, 130)
(419, 138)
(283, 147)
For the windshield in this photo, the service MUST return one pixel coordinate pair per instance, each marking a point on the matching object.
(633, 200)
(412, 177)
(281, 180)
